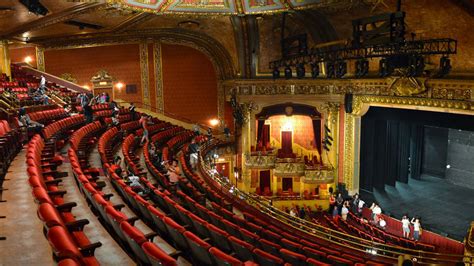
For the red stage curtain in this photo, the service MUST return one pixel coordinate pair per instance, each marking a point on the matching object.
(260, 130)
(286, 142)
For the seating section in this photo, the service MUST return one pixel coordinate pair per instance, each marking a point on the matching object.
(10, 145)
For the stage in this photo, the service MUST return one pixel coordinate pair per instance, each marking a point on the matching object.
(444, 208)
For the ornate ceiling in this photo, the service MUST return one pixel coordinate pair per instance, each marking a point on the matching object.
(220, 7)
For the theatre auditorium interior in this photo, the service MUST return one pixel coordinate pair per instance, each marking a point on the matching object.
(236, 132)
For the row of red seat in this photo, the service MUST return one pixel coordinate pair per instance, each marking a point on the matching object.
(168, 227)
(338, 253)
(63, 126)
(64, 232)
(48, 116)
(10, 145)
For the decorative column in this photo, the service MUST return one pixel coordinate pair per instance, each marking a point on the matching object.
(220, 101)
(40, 65)
(5, 58)
(333, 124)
(160, 104)
(144, 74)
(245, 141)
(352, 145)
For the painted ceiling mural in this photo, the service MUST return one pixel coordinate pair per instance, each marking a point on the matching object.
(218, 7)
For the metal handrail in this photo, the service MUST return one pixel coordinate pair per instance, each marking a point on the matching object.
(360, 244)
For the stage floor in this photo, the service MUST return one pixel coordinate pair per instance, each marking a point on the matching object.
(444, 208)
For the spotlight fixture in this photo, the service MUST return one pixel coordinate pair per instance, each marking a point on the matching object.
(340, 69)
(384, 69)
(314, 70)
(330, 71)
(300, 71)
(288, 73)
(276, 73)
(35, 7)
(362, 68)
(444, 66)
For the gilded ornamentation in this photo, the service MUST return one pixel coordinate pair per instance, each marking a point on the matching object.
(289, 169)
(348, 163)
(40, 58)
(144, 73)
(69, 77)
(318, 176)
(407, 86)
(102, 80)
(160, 105)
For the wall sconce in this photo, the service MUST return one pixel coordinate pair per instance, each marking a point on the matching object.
(28, 59)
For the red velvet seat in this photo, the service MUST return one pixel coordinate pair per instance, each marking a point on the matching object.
(219, 238)
(135, 239)
(176, 231)
(242, 249)
(296, 247)
(222, 259)
(269, 246)
(335, 260)
(157, 256)
(64, 247)
(313, 253)
(199, 249)
(249, 236)
(316, 262)
(294, 258)
(267, 259)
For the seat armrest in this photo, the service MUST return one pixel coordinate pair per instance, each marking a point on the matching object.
(150, 236)
(88, 251)
(57, 193)
(132, 220)
(77, 225)
(118, 206)
(107, 196)
(66, 207)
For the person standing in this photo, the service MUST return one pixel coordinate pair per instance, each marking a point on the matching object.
(42, 85)
(144, 123)
(416, 228)
(174, 174)
(355, 203)
(339, 202)
(376, 211)
(131, 109)
(332, 203)
(193, 153)
(406, 227)
(345, 210)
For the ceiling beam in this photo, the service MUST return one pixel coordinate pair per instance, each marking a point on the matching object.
(51, 19)
(134, 20)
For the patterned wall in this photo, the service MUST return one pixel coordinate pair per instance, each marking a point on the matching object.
(303, 134)
(189, 82)
(121, 61)
(18, 54)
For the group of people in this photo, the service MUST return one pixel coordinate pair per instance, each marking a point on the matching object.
(339, 207)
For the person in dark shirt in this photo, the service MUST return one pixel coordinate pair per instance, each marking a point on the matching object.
(131, 109)
(193, 153)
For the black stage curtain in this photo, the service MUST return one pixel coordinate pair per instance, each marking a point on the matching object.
(317, 134)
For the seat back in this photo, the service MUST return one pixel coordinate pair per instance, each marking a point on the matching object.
(242, 249)
(292, 257)
(267, 259)
(222, 259)
(199, 249)
(135, 238)
(157, 256)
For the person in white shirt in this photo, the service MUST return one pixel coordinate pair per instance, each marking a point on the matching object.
(382, 223)
(361, 205)
(292, 212)
(42, 82)
(406, 227)
(416, 228)
(344, 210)
(376, 211)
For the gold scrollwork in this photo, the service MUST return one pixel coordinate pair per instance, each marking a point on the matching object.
(158, 76)
(144, 73)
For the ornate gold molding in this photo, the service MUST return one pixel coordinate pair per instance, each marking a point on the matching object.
(144, 73)
(160, 104)
(40, 65)
(349, 139)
